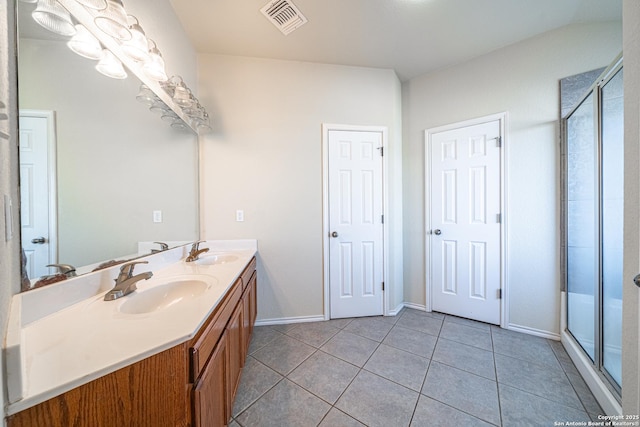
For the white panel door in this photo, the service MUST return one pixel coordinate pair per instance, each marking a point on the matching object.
(355, 223)
(34, 193)
(465, 221)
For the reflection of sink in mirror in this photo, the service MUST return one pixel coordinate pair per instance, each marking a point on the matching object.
(164, 295)
(215, 259)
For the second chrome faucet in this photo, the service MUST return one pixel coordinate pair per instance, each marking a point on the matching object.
(126, 281)
(195, 252)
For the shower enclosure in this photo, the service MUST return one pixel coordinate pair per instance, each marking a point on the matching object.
(593, 177)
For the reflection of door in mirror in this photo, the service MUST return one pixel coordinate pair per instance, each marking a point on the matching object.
(38, 190)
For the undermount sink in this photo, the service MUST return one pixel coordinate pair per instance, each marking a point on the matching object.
(215, 259)
(161, 296)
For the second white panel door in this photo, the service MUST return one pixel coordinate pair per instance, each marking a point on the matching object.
(355, 223)
(465, 221)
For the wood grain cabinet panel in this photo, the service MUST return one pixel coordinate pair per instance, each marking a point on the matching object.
(152, 392)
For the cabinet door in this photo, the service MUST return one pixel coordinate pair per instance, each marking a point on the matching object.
(210, 395)
(236, 351)
(249, 301)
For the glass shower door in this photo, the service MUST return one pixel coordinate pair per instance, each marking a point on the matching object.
(582, 229)
(594, 225)
(612, 153)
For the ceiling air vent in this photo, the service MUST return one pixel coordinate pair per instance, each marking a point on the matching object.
(284, 15)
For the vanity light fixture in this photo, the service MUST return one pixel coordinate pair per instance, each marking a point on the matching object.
(136, 48)
(154, 67)
(110, 66)
(113, 20)
(55, 18)
(85, 44)
(94, 4)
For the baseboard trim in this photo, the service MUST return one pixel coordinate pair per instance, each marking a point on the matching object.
(420, 307)
(396, 310)
(534, 331)
(287, 320)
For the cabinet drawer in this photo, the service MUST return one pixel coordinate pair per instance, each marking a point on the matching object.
(205, 343)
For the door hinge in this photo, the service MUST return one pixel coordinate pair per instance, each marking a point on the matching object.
(499, 218)
(499, 141)
(381, 150)
(382, 218)
(499, 293)
(383, 286)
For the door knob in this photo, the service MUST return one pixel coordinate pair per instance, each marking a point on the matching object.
(334, 234)
(437, 232)
(38, 240)
(636, 280)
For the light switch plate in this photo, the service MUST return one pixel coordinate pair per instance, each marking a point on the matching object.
(239, 215)
(157, 216)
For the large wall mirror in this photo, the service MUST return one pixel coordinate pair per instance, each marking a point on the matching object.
(99, 171)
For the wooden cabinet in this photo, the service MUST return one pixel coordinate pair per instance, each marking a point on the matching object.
(192, 384)
(234, 323)
(209, 396)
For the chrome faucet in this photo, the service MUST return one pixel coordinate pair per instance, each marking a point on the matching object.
(163, 247)
(126, 281)
(66, 269)
(195, 252)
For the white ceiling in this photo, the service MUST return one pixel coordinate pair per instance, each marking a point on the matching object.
(411, 36)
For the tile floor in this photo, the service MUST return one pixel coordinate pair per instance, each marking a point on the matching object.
(417, 368)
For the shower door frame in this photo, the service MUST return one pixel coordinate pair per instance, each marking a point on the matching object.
(602, 384)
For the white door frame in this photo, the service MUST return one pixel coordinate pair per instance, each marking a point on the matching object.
(52, 176)
(502, 117)
(325, 209)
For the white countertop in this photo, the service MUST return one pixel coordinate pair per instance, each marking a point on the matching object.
(64, 335)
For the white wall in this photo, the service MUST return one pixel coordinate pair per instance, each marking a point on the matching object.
(265, 157)
(521, 79)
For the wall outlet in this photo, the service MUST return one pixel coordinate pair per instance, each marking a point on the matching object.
(157, 216)
(239, 215)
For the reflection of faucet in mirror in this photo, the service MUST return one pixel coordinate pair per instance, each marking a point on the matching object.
(126, 281)
(66, 269)
(195, 252)
(163, 247)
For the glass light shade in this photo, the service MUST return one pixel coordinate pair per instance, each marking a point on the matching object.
(113, 21)
(85, 44)
(110, 66)
(179, 124)
(137, 48)
(146, 95)
(182, 96)
(159, 107)
(154, 66)
(55, 18)
(94, 4)
(169, 116)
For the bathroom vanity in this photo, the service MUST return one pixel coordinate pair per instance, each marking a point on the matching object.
(169, 354)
